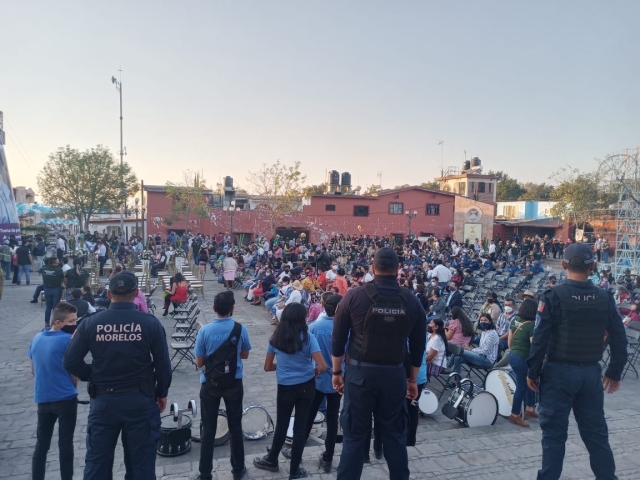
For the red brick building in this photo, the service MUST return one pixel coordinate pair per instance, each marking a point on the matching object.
(328, 215)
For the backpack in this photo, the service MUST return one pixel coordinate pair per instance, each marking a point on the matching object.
(386, 327)
(221, 365)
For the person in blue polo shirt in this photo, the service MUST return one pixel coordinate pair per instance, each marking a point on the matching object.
(210, 338)
(55, 391)
(295, 350)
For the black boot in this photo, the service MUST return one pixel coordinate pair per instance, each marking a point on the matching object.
(166, 312)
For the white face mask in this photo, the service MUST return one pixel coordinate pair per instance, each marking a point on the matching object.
(334, 268)
(508, 309)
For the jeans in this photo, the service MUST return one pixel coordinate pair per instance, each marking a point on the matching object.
(65, 413)
(52, 296)
(270, 304)
(102, 261)
(209, 405)
(605, 256)
(6, 268)
(523, 392)
(333, 411)
(470, 358)
(564, 387)
(38, 291)
(377, 390)
(136, 418)
(290, 396)
(60, 254)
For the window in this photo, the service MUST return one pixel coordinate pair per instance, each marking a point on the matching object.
(360, 211)
(462, 188)
(509, 211)
(433, 209)
(472, 188)
(330, 208)
(481, 187)
(490, 187)
(396, 208)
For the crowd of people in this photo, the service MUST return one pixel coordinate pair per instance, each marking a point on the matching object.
(326, 302)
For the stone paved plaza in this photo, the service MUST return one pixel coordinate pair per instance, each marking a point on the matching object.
(445, 449)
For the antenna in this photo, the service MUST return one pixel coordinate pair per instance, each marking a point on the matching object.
(441, 143)
(379, 174)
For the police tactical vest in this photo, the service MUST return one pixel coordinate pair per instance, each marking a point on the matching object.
(386, 326)
(578, 336)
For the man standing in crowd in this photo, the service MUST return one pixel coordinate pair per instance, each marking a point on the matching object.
(52, 277)
(211, 338)
(24, 261)
(55, 392)
(129, 381)
(102, 256)
(61, 247)
(377, 319)
(572, 321)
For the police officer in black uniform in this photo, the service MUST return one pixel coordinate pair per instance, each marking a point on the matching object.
(129, 380)
(573, 319)
(377, 319)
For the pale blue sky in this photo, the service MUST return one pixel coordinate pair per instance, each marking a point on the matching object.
(363, 86)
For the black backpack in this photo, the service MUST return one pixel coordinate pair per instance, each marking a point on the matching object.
(221, 365)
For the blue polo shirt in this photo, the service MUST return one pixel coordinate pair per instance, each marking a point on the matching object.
(211, 336)
(295, 368)
(322, 329)
(52, 381)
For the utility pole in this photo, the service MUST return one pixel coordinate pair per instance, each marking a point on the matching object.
(122, 152)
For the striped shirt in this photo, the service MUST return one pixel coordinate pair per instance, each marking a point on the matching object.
(488, 345)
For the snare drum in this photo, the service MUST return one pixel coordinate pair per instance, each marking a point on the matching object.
(476, 410)
(428, 402)
(501, 383)
(256, 422)
(174, 440)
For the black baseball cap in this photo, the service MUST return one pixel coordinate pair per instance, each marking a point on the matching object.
(123, 283)
(579, 255)
(386, 260)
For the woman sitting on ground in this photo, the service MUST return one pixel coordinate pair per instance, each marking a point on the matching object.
(176, 294)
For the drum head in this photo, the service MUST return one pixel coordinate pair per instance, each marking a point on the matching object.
(428, 403)
(481, 410)
(501, 384)
(319, 418)
(168, 423)
(289, 438)
(256, 422)
(222, 429)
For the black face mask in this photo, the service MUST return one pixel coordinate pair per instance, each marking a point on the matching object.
(429, 330)
(490, 300)
(70, 329)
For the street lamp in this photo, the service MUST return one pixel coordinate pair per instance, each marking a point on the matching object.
(410, 216)
(122, 152)
(231, 210)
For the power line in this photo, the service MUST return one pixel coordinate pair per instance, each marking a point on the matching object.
(20, 146)
(18, 150)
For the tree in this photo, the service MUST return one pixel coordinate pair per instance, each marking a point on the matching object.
(372, 190)
(508, 189)
(187, 198)
(431, 185)
(279, 187)
(536, 191)
(580, 196)
(312, 190)
(82, 184)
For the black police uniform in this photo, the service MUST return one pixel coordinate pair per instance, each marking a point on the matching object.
(374, 388)
(130, 369)
(570, 330)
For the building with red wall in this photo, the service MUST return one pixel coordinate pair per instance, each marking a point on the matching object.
(325, 215)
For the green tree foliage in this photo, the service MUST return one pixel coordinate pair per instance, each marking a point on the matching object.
(508, 189)
(82, 184)
(312, 190)
(580, 196)
(431, 185)
(536, 191)
(188, 198)
(279, 187)
(372, 190)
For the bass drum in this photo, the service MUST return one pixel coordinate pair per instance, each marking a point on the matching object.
(222, 430)
(174, 439)
(478, 410)
(256, 422)
(501, 383)
(428, 402)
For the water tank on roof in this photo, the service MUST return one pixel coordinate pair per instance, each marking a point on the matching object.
(475, 162)
(334, 178)
(346, 179)
(467, 165)
(228, 182)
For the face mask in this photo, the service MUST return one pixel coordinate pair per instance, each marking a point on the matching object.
(485, 326)
(69, 329)
(434, 284)
(334, 268)
(508, 309)
(429, 329)
(490, 300)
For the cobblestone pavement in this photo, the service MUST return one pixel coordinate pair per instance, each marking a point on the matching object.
(445, 449)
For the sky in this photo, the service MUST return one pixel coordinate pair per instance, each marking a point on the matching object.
(361, 86)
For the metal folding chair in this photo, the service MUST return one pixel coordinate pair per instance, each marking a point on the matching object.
(184, 350)
(633, 351)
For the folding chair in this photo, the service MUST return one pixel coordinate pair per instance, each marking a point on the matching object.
(189, 323)
(185, 349)
(633, 351)
(183, 307)
(184, 317)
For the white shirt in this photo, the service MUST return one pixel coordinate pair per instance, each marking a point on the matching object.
(102, 250)
(331, 276)
(295, 297)
(367, 277)
(65, 268)
(442, 272)
(61, 244)
(492, 248)
(437, 344)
